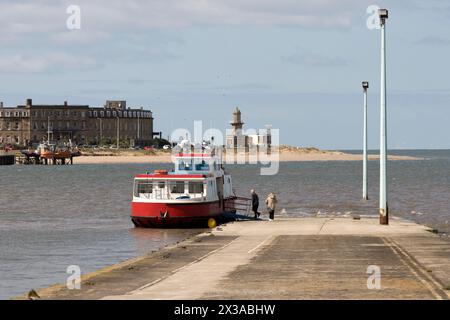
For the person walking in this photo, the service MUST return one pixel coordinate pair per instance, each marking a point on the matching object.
(255, 203)
(271, 203)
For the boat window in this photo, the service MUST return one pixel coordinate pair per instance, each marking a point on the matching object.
(177, 186)
(203, 166)
(185, 165)
(195, 187)
(161, 184)
(143, 187)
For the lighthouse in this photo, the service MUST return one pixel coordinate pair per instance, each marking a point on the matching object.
(236, 140)
(241, 141)
(236, 122)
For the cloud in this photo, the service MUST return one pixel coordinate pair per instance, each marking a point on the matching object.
(433, 41)
(79, 37)
(315, 60)
(186, 13)
(18, 19)
(144, 28)
(34, 63)
(112, 16)
(117, 26)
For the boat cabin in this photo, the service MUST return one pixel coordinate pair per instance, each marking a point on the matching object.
(196, 177)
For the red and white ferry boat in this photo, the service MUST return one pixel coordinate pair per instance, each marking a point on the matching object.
(197, 190)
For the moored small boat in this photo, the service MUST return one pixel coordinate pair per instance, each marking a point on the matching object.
(46, 150)
(29, 153)
(197, 190)
(54, 151)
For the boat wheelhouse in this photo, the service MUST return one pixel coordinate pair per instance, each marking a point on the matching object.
(196, 190)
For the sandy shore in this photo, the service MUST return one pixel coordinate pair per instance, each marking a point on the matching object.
(122, 159)
(333, 156)
(284, 157)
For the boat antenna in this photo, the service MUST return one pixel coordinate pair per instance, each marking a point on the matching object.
(48, 129)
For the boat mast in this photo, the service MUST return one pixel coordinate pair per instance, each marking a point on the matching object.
(48, 129)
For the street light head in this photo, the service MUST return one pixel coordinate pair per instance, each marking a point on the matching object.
(383, 14)
(365, 85)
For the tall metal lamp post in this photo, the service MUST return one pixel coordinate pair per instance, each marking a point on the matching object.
(384, 209)
(365, 86)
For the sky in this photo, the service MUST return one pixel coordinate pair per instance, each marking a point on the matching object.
(294, 64)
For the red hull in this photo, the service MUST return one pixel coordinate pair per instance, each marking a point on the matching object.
(145, 214)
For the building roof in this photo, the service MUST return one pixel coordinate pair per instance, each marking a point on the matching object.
(56, 106)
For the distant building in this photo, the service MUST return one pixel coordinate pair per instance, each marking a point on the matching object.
(238, 140)
(31, 123)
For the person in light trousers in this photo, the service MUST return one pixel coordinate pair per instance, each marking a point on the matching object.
(271, 203)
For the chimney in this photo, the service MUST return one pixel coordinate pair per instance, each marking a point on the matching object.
(1, 104)
(65, 103)
(29, 103)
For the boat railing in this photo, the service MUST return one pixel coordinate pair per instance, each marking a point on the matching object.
(242, 205)
(161, 190)
(161, 194)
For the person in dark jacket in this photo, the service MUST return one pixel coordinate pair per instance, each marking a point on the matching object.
(255, 204)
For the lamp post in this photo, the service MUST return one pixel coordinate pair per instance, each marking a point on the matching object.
(49, 130)
(101, 131)
(384, 209)
(365, 86)
(138, 125)
(118, 132)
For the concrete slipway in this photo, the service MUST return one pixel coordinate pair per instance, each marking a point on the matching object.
(305, 258)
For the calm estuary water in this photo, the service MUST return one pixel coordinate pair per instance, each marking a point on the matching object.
(55, 216)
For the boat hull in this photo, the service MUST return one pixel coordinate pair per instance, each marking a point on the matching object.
(63, 154)
(47, 155)
(161, 215)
